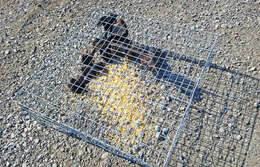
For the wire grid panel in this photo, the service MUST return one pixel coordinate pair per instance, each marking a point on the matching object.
(127, 93)
(220, 128)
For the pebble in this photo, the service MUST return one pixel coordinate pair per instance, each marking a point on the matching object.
(23, 134)
(9, 125)
(141, 154)
(129, 144)
(201, 111)
(157, 128)
(7, 52)
(8, 164)
(216, 26)
(89, 150)
(136, 148)
(158, 135)
(165, 131)
(141, 135)
(197, 149)
(27, 117)
(24, 144)
(238, 137)
(141, 144)
(36, 141)
(252, 69)
(221, 130)
(160, 120)
(169, 109)
(12, 135)
(105, 155)
(54, 165)
(163, 87)
(80, 153)
(138, 124)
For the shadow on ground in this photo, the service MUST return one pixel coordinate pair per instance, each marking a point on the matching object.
(220, 128)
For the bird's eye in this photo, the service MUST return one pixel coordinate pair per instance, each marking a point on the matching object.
(117, 22)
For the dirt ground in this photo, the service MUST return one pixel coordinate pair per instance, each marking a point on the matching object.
(30, 29)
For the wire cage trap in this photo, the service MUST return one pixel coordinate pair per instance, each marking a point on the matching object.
(124, 83)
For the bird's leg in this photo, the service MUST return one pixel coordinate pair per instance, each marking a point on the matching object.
(78, 85)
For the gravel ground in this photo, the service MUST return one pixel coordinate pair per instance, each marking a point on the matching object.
(31, 30)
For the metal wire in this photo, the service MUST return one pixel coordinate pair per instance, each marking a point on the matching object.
(137, 91)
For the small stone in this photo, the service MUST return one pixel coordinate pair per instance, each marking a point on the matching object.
(141, 154)
(238, 137)
(89, 150)
(12, 135)
(182, 108)
(8, 164)
(24, 165)
(163, 107)
(165, 131)
(162, 87)
(7, 52)
(129, 144)
(136, 148)
(39, 128)
(157, 128)
(160, 120)
(54, 165)
(216, 26)
(80, 153)
(138, 124)
(201, 111)
(224, 25)
(27, 117)
(140, 135)
(141, 144)
(252, 69)
(149, 93)
(197, 149)
(23, 134)
(9, 125)
(169, 109)
(105, 155)
(216, 136)
(36, 141)
(158, 135)
(221, 130)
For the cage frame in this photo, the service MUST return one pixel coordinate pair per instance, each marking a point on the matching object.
(61, 127)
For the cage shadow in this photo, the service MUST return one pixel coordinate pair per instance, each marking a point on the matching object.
(219, 129)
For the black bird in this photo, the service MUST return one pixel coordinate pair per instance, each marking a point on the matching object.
(114, 45)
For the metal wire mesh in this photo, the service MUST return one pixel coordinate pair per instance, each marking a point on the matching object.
(220, 128)
(138, 95)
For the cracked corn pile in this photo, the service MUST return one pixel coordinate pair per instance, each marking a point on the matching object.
(120, 96)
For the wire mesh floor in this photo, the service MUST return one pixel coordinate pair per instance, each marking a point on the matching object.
(134, 89)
